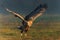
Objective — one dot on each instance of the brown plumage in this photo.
(29, 19)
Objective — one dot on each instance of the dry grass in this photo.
(37, 32)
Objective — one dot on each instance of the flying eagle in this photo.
(28, 20)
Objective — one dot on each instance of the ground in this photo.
(46, 28)
(38, 31)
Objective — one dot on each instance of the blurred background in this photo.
(46, 27)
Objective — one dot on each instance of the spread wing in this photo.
(36, 13)
(16, 14)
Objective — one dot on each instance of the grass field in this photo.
(43, 30)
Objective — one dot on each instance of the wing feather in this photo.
(36, 13)
(16, 14)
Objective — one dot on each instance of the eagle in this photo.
(28, 20)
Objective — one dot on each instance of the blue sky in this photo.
(26, 6)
